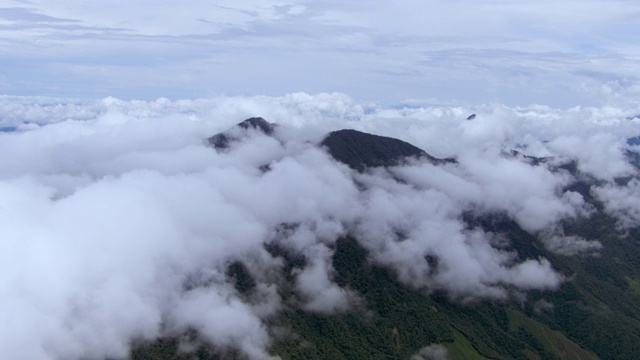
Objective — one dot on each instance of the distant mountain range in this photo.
(594, 314)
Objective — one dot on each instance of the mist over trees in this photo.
(416, 233)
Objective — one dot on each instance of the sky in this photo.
(118, 223)
(559, 53)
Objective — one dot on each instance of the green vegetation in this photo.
(598, 308)
(167, 349)
(546, 341)
(634, 285)
(595, 314)
(461, 348)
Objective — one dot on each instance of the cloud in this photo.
(570, 245)
(432, 352)
(561, 53)
(314, 284)
(119, 224)
(605, 160)
(228, 323)
(621, 202)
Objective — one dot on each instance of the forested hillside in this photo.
(593, 312)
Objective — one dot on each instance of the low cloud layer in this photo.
(119, 223)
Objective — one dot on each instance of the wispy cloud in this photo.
(119, 223)
(551, 52)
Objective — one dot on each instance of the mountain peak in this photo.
(361, 150)
(223, 139)
(258, 123)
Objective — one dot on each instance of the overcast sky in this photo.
(118, 223)
(561, 53)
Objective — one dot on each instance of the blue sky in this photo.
(561, 53)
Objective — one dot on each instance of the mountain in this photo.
(361, 151)
(593, 314)
(633, 157)
(633, 140)
(223, 140)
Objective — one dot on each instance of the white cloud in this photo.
(621, 202)
(316, 287)
(110, 208)
(432, 352)
(570, 245)
(604, 159)
(509, 51)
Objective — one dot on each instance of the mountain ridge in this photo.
(592, 314)
(360, 150)
(223, 140)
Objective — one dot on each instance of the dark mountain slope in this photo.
(361, 150)
(633, 157)
(394, 322)
(594, 314)
(224, 139)
(633, 141)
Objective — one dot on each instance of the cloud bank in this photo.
(563, 53)
(119, 224)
